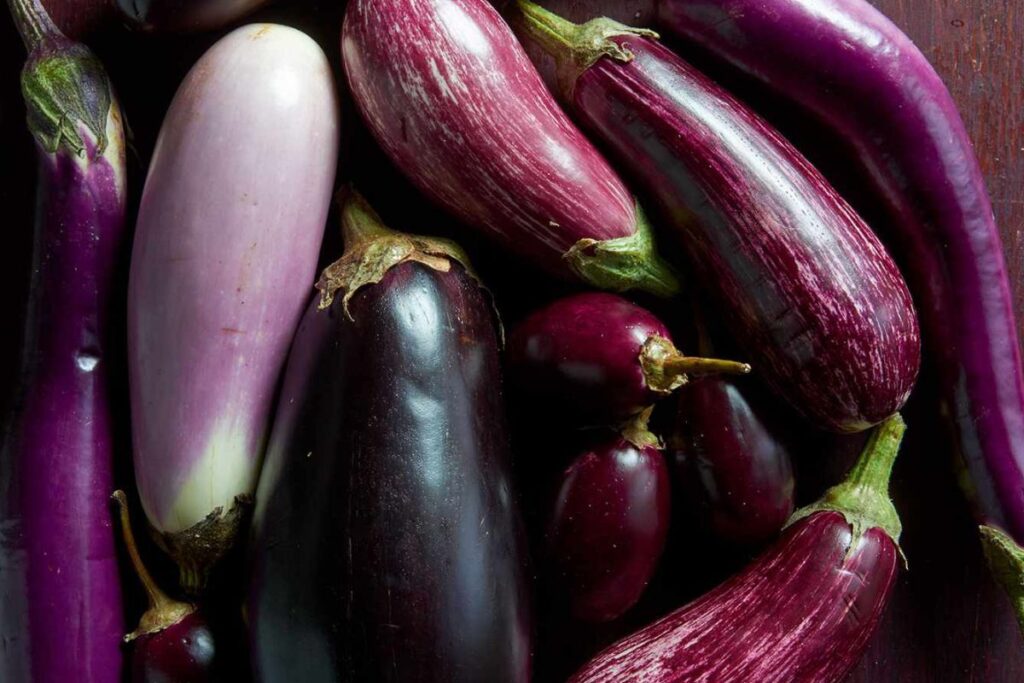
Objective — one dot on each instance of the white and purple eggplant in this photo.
(225, 254)
(60, 594)
(452, 98)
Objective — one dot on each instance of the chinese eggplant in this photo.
(807, 289)
(601, 358)
(801, 613)
(449, 94)
(60, 594)
(226, 249)
(386, 539)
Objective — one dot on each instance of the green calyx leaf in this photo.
(1006, 560)
(65, 87)
(624, 263)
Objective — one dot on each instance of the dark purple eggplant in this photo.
(387, 543)
(855, 71)
(609, 522)
(184, 15)
(735, 473)
(600, 358)
(803, 612)
(60, 593)
(807, 289)
(173, 642)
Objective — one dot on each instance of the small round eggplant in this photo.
(609, 522)
(600, 357)
(184, 15)
(736, 475)
(174, 642)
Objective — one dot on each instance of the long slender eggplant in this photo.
(735, 473)
(60, 595)
(801, 613)
(609, 522)
(227, 242)
(598, 357)
(386, 539)
(185, 15)
(451, 97)
(808, 290)
(173, 641)
(855, 71)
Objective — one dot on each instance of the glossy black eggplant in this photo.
(387, 543)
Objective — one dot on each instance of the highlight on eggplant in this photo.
(450, 96)
(60, 595)
(807, 290)
(600, 358)
(225, 253)
(802, 612)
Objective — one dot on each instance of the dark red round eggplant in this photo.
(609, 522)
(387, 544)
(600, 358)
(61, 614)
(735, 473)
(854, 70)
(808, 290)
(803, 612)
(173, 642)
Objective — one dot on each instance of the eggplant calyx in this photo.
(624, 263)
(163, 611)
(1006, 560)
(636, 432)
(863, 497)
(666, 369)
(574, 47)
(372, 249)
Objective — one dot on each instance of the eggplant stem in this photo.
(636, 431)
(360, 223)
(1006, 560)
(665, 368)
(157, 598)
(33, 22)
(699, 367)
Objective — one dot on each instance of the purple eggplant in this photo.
(801, 613)
(855, 71)
(806, 287)
(598, 357)
(225, 254)
(184, 15)
(609, 522)
(735, 473)
(60, 595)
(451, 97)
(173, 641)
(386, 539)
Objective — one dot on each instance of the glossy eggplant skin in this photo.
(386, 543)
(736, 474)
(608, 526)
(184, 15)
(182, 653)
(580, 354)
(854, 70)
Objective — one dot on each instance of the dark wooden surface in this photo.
(947, 622)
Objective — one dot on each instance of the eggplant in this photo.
(386, 540)
(735, 472)
(226, 248)
(609, 521)
(453, 100)
(853, 70)
(598, 357)
(801, 613)
(807, 289)
(173, 641)
(184, 15)
(60, 594)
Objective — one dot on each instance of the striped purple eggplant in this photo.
(60, 595)
(854, 70)
(184, 15)
(225, 253)
(801, 613)
(809, 292)
(599, 358)
(452, 98)
(386, 541)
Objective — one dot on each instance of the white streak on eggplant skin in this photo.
(455, 102)
(226, 248)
